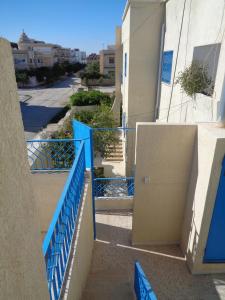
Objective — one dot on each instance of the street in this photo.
(40, 105)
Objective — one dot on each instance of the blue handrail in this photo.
(114, 178)
(54, 140)
(57, 243)
(142, 287)
(114, 187)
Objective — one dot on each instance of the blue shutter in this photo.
(167, 66)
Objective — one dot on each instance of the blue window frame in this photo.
(167, 63)
(125, 65)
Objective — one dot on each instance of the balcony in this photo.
(94, 245)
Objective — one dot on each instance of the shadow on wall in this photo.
(221, 104)
(112, 269)
(189, 227)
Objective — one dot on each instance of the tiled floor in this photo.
(111, 275)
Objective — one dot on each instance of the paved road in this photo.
(40, 105)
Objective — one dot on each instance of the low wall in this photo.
(107, 203)
(47, 189)
(98, 82)
(163, 163)
(84, 108)
(82, 250)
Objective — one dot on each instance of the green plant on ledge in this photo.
(86, 98)
(194, 79)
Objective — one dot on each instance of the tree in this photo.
(93, 67)
(22, 77)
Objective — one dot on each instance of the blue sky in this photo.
(84, 24)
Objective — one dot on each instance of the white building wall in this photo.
(203, 24)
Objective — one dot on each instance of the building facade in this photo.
(32, 53)
(78, 56)
(93, 57)
(192, 39)
(156, 49)
(107, 61)
(142, 21)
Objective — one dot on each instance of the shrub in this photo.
(194, 79)
(89, 98)
(104, 141)
(103, 117)
(22, 77)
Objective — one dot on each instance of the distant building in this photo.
(107, 61)
(93, 57)
(77, 56)
(31, 53)
(21, 59)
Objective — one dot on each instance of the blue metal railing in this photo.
(142, 287)
(53, 154)
(57, 243)
(114, 187)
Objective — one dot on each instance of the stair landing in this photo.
(111, 274)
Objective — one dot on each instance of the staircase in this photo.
(117, 153)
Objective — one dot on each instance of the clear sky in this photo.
(84, 24)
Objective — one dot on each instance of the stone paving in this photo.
(111, 275)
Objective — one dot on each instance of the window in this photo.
(111, 60)
(125, 65)
(167, 66)
(31, 60)
(208, 56)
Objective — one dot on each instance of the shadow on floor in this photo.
(36, 117)
(111, 275)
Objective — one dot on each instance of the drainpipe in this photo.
(162, 40)
(158, 96)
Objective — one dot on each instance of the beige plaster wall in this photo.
(141, 31)
(47, 189)
(205, 175)
(22, 271)
(163, 162)
(82, 250)
(118, 74)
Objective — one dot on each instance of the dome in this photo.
(24, 38)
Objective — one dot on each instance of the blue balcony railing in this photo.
(57, 243)
(114, 187)
(142, 287)
(55, 154)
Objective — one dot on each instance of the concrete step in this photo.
(115, 156)
(115, 147)
(114, 159)
(116, 150)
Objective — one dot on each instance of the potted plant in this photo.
(194, 79)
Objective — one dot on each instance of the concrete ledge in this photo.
(82, 247)
(113, 203)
